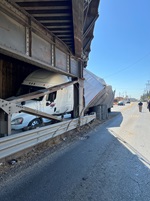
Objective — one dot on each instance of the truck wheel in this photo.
(34, 123)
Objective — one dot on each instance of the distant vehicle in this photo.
(128, 101)
(121, 103)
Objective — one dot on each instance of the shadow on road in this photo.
(96, 167)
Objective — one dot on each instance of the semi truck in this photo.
(56, 103)
(61, 101)
(97, 92)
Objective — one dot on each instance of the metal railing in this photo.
(18, 142)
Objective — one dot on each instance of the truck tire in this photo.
(34, 123)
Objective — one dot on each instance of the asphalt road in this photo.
(111, 163)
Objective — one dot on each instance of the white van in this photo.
(55, 103)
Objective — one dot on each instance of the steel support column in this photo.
(81, 97)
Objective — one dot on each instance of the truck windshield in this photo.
(25, 89)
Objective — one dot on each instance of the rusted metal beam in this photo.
(90, 26)
(11, 108)
(39, 113)
(77, 13)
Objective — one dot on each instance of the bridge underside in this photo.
(49, 34)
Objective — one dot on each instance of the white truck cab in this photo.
(56, 103)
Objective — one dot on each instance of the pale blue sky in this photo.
(120, 50)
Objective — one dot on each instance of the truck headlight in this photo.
(17, 121)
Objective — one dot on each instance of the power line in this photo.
(128, 66)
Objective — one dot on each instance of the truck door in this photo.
(50, 103)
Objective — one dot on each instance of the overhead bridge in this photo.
(50, 34)
(55, 35)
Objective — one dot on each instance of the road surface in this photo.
(110, 163)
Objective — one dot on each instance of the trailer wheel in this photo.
(34, 123)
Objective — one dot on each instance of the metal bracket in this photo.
(9, 107)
